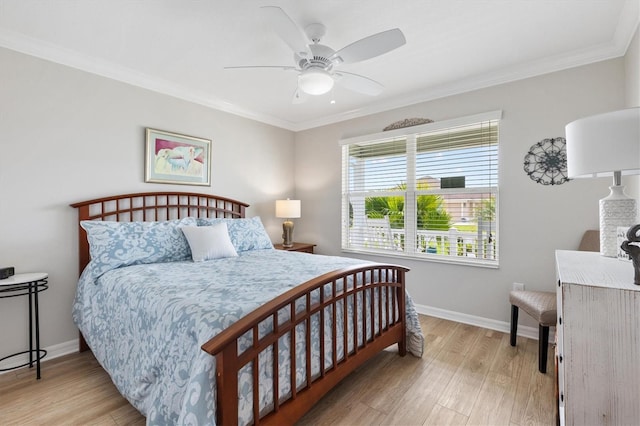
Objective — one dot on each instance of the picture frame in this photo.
(621, 236)
(176, 158)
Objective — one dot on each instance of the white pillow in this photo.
(209, 242)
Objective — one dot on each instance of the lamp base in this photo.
(287, 234)
(617, 209)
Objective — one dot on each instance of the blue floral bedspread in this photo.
(146, 323)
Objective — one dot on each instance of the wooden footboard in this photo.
(372, 300)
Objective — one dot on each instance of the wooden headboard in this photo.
(152, 206)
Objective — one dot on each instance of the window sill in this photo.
(451, 260)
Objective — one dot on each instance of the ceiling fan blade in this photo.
(370, 47)
(280, 67)
(358, 83)
(287, 30)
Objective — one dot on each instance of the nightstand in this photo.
(301, 247)
(22, 285)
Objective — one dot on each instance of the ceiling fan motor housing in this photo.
(320, 59)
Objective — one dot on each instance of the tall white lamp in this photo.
(287, 209)
(607, 145)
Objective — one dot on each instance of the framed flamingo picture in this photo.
(175, 158)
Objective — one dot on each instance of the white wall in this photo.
(632, 99)
(534, 219)
(632, 71)
(67, 136)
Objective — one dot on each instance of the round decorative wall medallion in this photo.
(546, 162)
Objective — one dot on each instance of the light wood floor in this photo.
(467, 376)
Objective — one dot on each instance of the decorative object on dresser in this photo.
(598, 340)
(607, 145)
(546, 162)
(300, 247)
(287, 210)
(621, 236)
(175, 158)
(631, 246)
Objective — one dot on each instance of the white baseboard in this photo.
(61, 349)
(491, 324)
(53, 351)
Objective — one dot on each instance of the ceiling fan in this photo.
(318, 65)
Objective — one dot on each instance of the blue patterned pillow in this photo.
(116, 244)
(246, 234)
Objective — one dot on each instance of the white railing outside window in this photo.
(454, 243)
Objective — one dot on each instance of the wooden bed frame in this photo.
(368, 281)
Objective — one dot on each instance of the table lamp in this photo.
(287, 209)
(607, 145)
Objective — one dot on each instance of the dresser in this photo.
(598, 340)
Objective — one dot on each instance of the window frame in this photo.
(410, 214)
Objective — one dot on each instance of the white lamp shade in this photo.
(288, 209)
(602, 144)
(315, 81)
(607, 145)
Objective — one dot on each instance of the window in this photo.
(427, 191)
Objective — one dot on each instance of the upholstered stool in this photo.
(541, 305)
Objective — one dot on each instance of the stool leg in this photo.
(543, 341)
(514, 324)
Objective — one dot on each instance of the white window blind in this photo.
(428, 191)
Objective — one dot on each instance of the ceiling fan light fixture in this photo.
(315, 81)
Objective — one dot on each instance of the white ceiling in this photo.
(180, 47)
